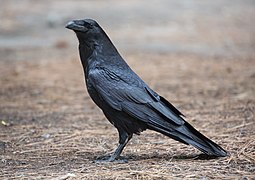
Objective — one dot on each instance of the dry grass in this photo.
(51, 129)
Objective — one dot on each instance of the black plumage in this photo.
(126, 101)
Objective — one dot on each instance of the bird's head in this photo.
(91, 36)
(87, 30)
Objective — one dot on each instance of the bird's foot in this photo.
(109, 158)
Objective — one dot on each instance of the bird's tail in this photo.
(189, 135)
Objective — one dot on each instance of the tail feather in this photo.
(189, 135)
(208, 146)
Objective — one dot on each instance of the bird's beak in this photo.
(76, 25)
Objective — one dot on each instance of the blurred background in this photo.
(32, 29)
(198, 54)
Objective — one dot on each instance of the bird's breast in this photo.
(94, 94)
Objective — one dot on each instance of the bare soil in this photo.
(50, 128)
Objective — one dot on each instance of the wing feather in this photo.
(138, 101)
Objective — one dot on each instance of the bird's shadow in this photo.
(155, 157)
(169, 157)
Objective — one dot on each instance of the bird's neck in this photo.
(104, 46)
(95, 54)
(85, 52)
(91, 49)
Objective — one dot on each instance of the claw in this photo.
(108, 159)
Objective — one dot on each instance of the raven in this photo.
(126, 101)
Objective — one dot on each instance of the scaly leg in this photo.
(123, 140)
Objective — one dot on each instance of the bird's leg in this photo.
(123, 140)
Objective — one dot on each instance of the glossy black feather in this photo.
(127, 102)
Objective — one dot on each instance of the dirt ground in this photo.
(202, 61)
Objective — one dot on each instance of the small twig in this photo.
(239, 126)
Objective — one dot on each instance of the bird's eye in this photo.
(88, 25)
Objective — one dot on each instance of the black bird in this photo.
(126, 101)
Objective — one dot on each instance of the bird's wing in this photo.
(130, 94)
